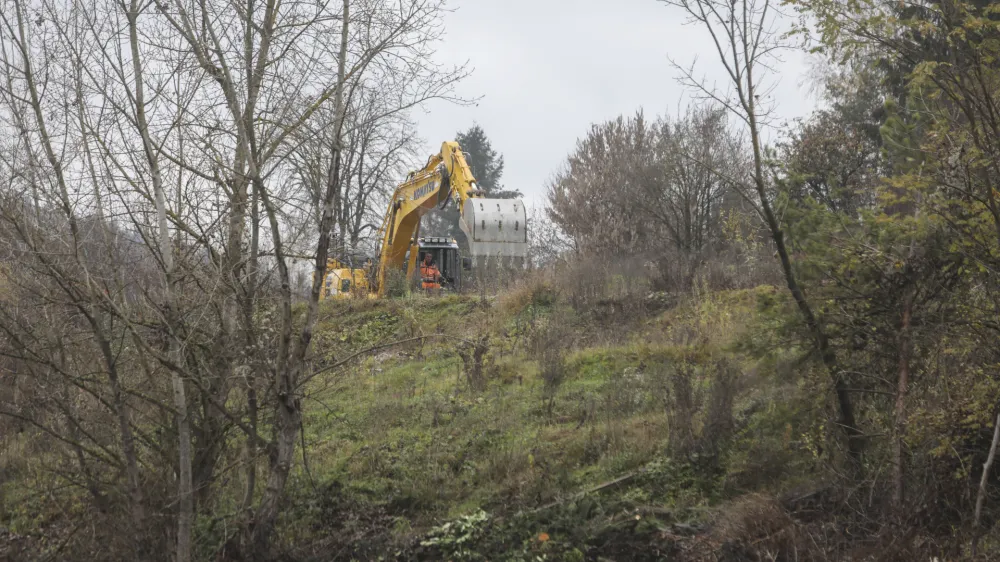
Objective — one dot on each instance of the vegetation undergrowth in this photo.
(588, 437)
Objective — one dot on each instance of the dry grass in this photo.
(757, 527)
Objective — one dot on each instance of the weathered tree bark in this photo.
(981, 495)
(902, 386)
(185, 510)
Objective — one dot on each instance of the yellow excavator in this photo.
(494, 228)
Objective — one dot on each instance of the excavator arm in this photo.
(494, 227)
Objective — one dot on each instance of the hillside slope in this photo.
(611, 429)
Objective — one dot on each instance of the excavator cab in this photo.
(444, 253)
(496, 230)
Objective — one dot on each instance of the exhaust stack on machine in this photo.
(495, 227)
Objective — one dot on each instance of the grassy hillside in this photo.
(612, 430)
(549, 423)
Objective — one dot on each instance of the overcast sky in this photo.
(547, 69)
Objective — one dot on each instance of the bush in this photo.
(476, 360)
(757, 528)
(455, 539)
(549, 342)
(396, 283)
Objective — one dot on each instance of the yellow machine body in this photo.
(494, 227)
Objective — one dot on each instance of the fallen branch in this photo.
(372, 349)
(597, 488)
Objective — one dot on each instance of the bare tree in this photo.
(548, 244)
(379, 143)
(651, 189)
(145, 198)
(746, 35)
(695, 155)
(597, 197)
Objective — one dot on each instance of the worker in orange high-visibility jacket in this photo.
(429, 273)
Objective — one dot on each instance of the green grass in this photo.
(401, 433)
(397, 443)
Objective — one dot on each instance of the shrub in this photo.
(757, 528)
(476, 359)
(455, 539)
(396, 283)
(549, 342)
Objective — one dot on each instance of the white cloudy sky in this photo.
(547, 69)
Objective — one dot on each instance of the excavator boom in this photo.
(495, 228)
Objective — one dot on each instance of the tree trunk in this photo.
(185, 511)
(291, 362)
(185, 488)
(124, 426)
(981, 495)
(847, 420)
(902, 385)
(251, 448)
